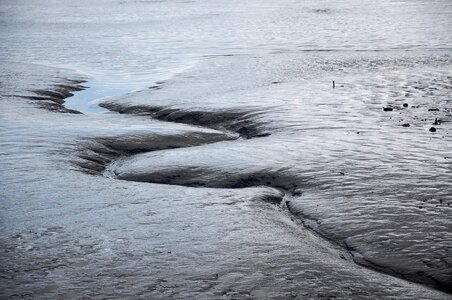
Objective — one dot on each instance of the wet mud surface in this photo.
(64, 229)
(238, 170)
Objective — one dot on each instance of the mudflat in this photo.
(232, 167)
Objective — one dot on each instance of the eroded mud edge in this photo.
(53, 99)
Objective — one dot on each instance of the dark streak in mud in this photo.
(235, 121)
(95, 156)
(53, 99)
(96, 153)
(422, 277)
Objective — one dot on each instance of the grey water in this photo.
(243, 90)
(84, 101)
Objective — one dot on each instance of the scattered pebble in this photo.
(433, 109)
(387, 108)
(432, 129)
(437, 122)
(405, 104)
(406, 125)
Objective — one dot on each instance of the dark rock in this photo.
(437, 122)
(432, 129)
(433, 109)
(406, 125)
(387, 108)
(405, 104)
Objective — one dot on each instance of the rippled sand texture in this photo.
(237, 171)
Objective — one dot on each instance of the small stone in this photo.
(433, 109)
(437, 122)
(387, 108)
(406, 125)
(432, 129)
(405, 104)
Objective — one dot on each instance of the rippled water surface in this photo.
(234, 168)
